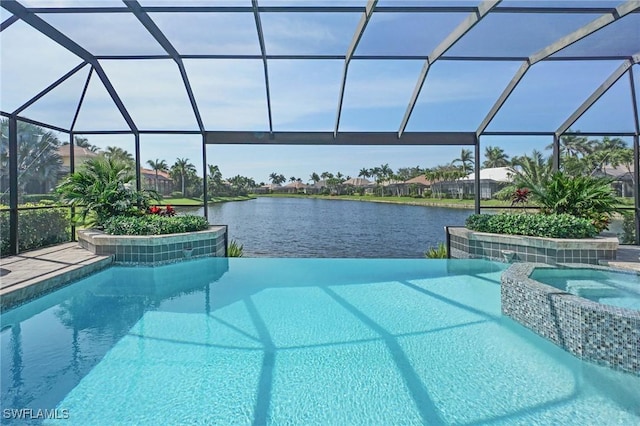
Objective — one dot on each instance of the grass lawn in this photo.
(198, 202)
(444, 202)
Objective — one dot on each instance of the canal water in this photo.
(305, 227)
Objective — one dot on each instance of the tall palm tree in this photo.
(158, 166)
(495, 157)
(118, 154)
(466, 159)
(314, 178)
(574, 146)
(183, 167)
(364, 173)
(276, 178)
(326, 175)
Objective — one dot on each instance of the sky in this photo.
(231, 94)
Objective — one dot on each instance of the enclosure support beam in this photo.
(364, 20)
(81, 100)
(45, 28)
(593, 98)
(556, 153)
(263, 51)
(636, 189)
(72, 169)
(138, 165)
(13, 185)
(588, 29)
(49, 88)
(205, 184)
(465, 26)
(476, 175)
(343, 138)
(153, 29)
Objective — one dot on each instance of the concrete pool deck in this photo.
(28, 274)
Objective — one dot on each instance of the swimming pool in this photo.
(607, 287)
(297, 341)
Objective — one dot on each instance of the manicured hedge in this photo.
(36, 228)
(536, 225)
(154, 224)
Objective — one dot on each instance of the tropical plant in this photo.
(586, 197)
(154, 224)
(120, 155)
(314, 178)
(466, 160)
(235, 249)
(495, 157)
(439, 252)
(276, 178)
(537, 225)
(81, 142)
(158, 166)
(520, 196)
(182, 169)
(39, 163)
(103, 188)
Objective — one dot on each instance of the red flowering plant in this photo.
(520, 196)
(167, 211)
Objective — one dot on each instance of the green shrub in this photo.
(628, 235)
(439, 252)
(176, 194)
(581, 196)
(104, 188)
(35, 198)
(154, 224)
(36, 228)
(536, 225)
(235, 249)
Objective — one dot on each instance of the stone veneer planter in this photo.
(156, 249)
(603, 334)
(466, 244)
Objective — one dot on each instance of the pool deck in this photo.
(29, 274)
(26, 275)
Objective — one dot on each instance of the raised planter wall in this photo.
(603, 334)
(156, 249)
(467, 244)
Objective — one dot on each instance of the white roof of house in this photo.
(357, 182)
(498, 174)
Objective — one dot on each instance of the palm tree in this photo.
(292, 179)
(83, 143)
(314, 178)
(276, 178)
(103, 186)
(574, 146)
(38, 159)
(466, 159)
(118, 154)
(364, 173)
(495, 157)
(158, 166)
(183, 167)
(326, 175)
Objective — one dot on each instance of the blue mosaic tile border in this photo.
(155, 249)
(466, 244)
(603, 334)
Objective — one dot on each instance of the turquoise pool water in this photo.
(606, 287)
(297, 341)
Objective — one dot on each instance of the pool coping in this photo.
(603, 334)
(45, 270)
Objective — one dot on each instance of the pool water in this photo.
(297, 341)
(606, 287)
